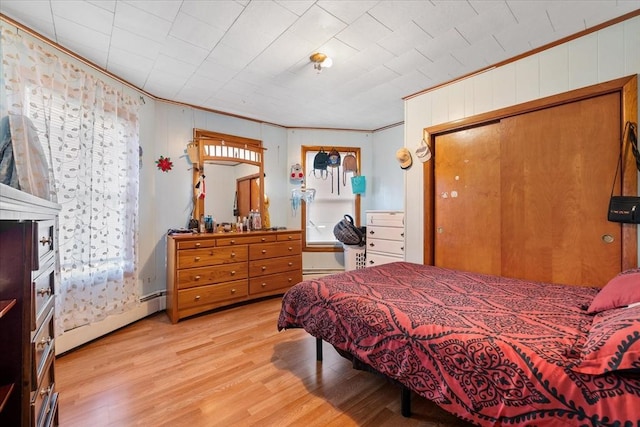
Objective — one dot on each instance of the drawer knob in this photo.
(233, 242)
(290, 248)
(371, 262)
(45, 391)
(263, 239)
(290, 237)
(264, 267)
(197, 258)
(402, 234)
(45, 241)
(402, 248)
(264, 285)
(197, 245)
(290, 279)
(196, 278)
(264, 251)
(372, 244)
(233, 291)
(372, 232)
(44, 291)
(197, 298)
(233, 254)
(233, 272)
(44, 342)
(290, 264)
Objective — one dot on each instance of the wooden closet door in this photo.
(467, 200)
(557, 168)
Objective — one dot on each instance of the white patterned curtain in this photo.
(89, 131)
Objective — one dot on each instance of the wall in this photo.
(595, 58)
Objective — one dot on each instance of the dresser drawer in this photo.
(208, 294)
(274, 282)
(211, 256)
(43, 290)
(42, 348)
(45, 238)
(244, 239)
(273, 250)
(374, 259)
(289, 236)
(388, 233)
(196, 244)
(385, 219)
(274, 265)
(44, 398)
(392, 247)
(191, 277)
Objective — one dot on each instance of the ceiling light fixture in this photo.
(320, 61)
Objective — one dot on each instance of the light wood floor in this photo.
(227, 368)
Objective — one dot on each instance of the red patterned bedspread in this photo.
(492, 350)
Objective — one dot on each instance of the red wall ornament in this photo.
(164, 164)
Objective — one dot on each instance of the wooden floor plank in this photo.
(227, 368)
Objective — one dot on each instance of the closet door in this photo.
(557, 170)
(467, 210)
(527, 197)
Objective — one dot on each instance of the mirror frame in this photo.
(220, 148)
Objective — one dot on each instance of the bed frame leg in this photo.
(405, 401)
(318, 349)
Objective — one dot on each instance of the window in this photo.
(333, 199)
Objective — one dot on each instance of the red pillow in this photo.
(622, 290)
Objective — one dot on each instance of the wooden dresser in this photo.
(207, 271)
(385, 237)
(27, 287)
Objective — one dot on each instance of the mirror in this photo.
(231, 170)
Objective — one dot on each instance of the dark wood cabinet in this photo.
(27, 289)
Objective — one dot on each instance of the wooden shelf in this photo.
(5, 392)
(5, 306)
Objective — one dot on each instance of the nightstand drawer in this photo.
(211, 256)
(208, 294)
(191, 277)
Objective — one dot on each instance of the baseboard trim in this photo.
(84, 334)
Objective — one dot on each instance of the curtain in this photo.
(88, 129)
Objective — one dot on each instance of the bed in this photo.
(491, 350)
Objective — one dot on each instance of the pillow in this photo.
(612, 343)
(622, 290)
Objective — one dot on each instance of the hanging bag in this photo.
(320, 163)
(334, 163)
(349, 164)
(358, 184)
(625, 209)
(347, 233)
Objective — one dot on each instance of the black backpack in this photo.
(320, 163)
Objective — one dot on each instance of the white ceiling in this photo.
(251, 57)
